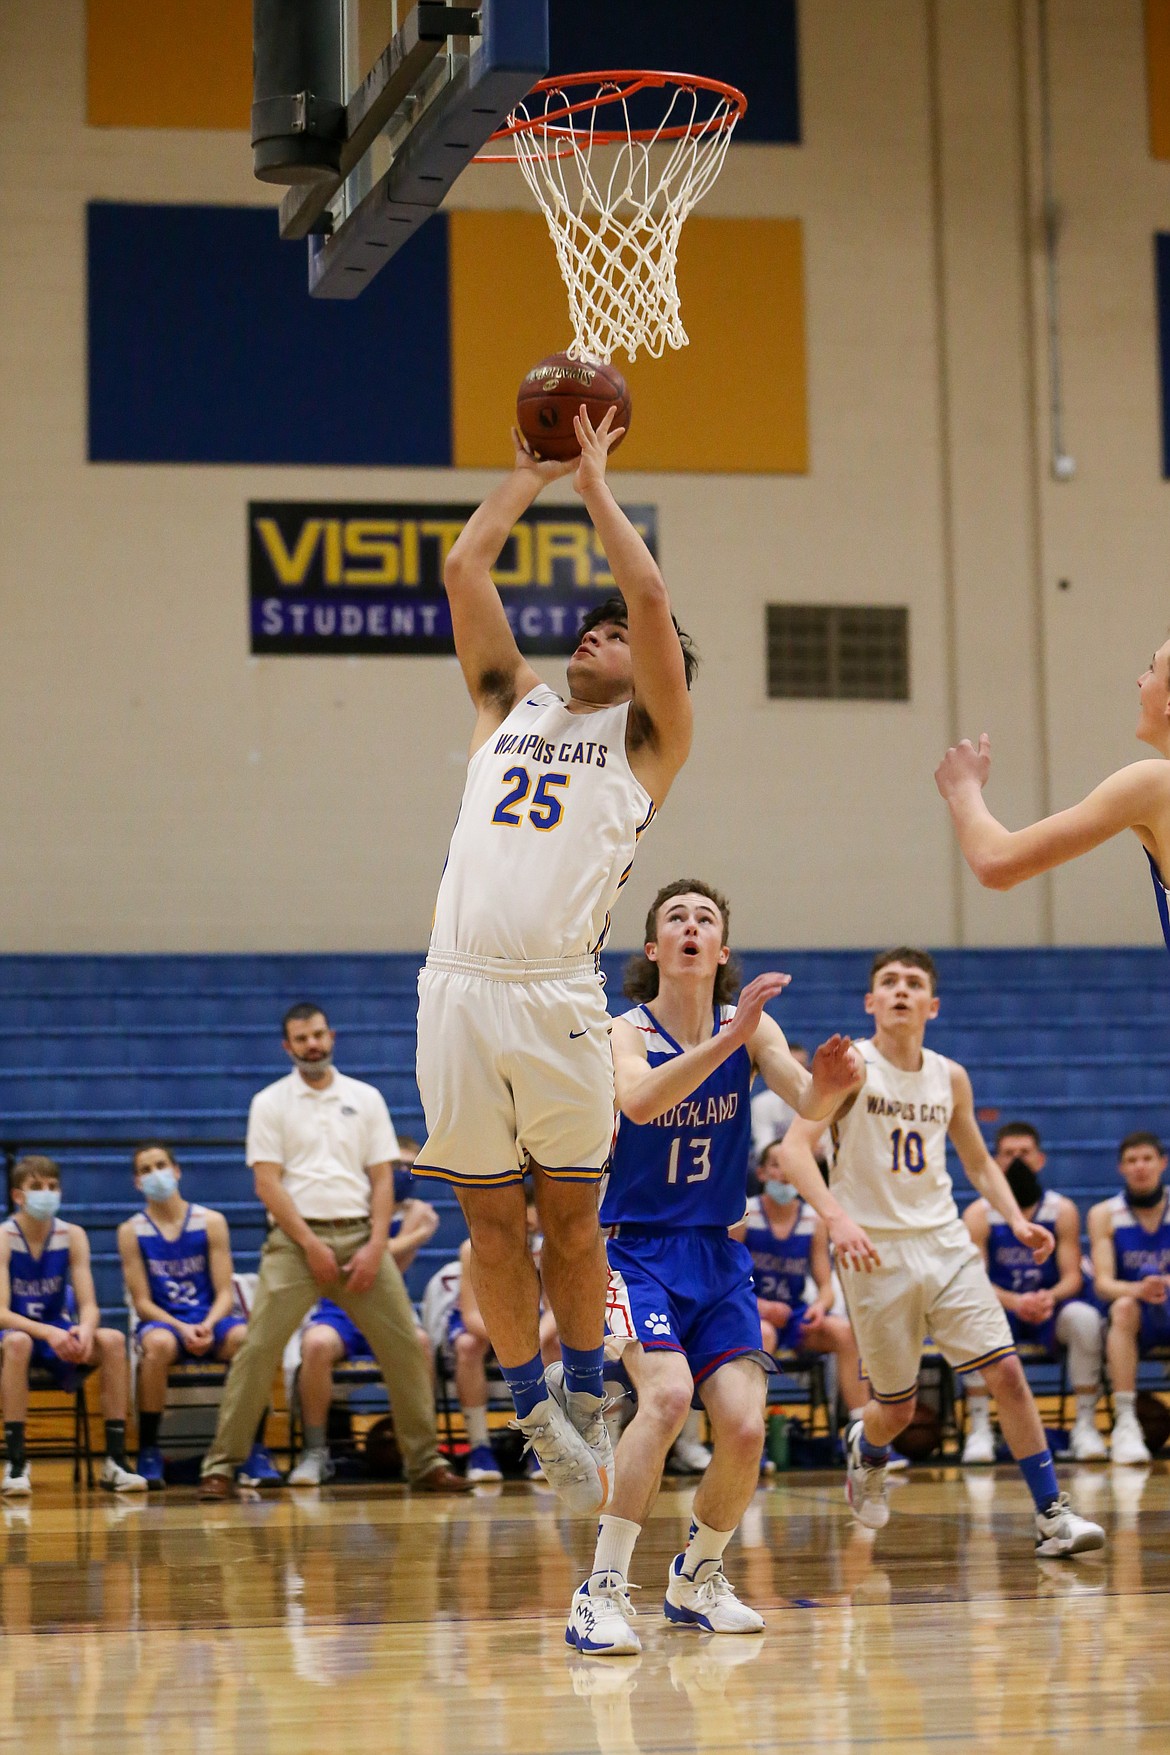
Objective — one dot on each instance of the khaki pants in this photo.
(285, 1294)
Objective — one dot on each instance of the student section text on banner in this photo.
(367, 577)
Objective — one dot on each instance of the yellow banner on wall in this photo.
(1158, 75)
(169, 63)
(734, 401)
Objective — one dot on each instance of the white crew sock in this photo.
(1087, 1405)
(475, 1419)
(615, 1545)
(1123, 1404)
(978, 1409)
(705, 1544)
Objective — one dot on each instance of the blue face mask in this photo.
(42, 1203)
(159, 1184)
(781, 1192)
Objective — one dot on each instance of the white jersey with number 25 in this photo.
(547, 830)
(890, 1148)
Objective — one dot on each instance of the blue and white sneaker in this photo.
(707, 1600)
(482, 1464)
(259, 1470)
(600, 1616)
(150, 1467)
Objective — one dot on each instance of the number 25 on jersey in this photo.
(544, 811)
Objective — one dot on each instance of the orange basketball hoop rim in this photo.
(616, 86)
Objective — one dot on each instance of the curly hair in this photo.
(640, 980)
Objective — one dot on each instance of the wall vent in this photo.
(838, 652)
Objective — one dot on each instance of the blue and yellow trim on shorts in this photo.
(507, 1178)
(991, 1358)
(901, 1395)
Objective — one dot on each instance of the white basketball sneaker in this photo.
(707, 1600)
(600, 1616)
(564, 1456)
(1085, 1442)
(1128, 1444)
(979, 1444)
(313, 1470)
(1060, 1532)
(586, 1413)
(18, 1485)
(865, 1484)
(116, 1479)
(689, 1455)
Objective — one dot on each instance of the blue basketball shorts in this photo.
(221, 1331)
(688, 1292)
(1036, 1334)
(1155, 1327)
(65, 1374)
(352, 1339)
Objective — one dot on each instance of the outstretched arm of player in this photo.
(814, 1094)
(644, 1092)
(662, 703)
(984, 1173)
(1135, 797)
(799, 1166)
(495, 672)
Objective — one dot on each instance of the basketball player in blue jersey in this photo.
(681, 1302)
(890, 1174)
(514, 1062)
(1044, 1302)
(1130, 1238)
(49, 1317)
(1136, 797)
(177, 1265)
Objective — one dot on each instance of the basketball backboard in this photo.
(370, 152)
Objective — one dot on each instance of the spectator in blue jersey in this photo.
(49, 1318)
(789, 1246)
(332, 1338)
(1130, 1238)
(1044, 1302)
(177, 1265)
(680, 1303)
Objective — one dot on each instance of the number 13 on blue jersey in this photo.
(700, 1158)
(544, 812)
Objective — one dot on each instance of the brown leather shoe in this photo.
(440, 1479)
(217, 1488)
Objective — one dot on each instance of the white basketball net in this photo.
(616, 222)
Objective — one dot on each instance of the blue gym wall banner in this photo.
(367, 577)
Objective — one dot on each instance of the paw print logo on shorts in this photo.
(657, 1323)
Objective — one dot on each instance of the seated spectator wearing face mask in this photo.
(177, 1265)
(49, 1318)
(1044, 1304)
(789, 1246)
(1130, 1237)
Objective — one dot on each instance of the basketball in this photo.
(554, 390)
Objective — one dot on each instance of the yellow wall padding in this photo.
(169, 63)
(1158, 75)
(734, 401)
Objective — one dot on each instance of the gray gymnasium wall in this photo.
(161, 790)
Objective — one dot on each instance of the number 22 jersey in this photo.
(688, 1167)
(547, 831)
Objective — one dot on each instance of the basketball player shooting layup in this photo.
(890, 1175)
(514, 1060)
(1136, 797)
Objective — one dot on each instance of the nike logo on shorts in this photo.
(573, 1034)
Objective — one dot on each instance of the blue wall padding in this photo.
(204, 346)
(752, 44)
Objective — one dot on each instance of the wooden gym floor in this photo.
(359, 1620)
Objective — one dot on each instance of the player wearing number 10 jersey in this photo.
(514, 1062)
(682, 1305)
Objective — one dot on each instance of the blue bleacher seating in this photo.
(122, 1048)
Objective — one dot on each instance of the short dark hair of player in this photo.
(614, 610)
(640, 980)
(770, 1147)
(299, 1013)
(33, 1169)
(1133, 1140)
(151, 1146)
(907, 954)
(1015, 1130)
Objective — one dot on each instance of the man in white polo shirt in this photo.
(322, 1149)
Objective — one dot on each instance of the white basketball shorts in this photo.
(514, 1063)
(930, 1283)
